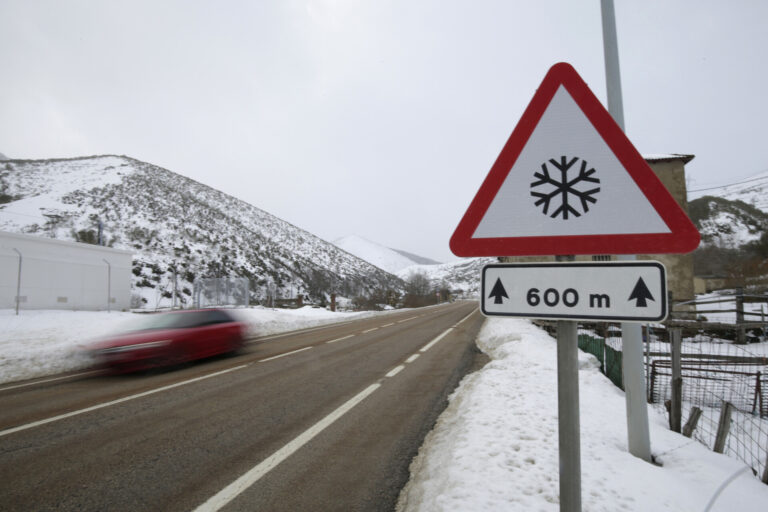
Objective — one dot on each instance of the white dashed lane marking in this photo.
(286, 354)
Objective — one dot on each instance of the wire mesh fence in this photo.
(221, 291)
(714, 372)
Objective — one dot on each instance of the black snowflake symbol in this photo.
(565, 188)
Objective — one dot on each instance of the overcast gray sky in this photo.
(377, 118)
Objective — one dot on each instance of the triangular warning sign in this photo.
(568, 181)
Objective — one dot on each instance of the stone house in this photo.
(671, 171)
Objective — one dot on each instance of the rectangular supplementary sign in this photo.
(629, 291)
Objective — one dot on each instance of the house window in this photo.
(602, 257)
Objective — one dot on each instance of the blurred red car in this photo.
(168, 339)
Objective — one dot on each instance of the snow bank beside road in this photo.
(496, 445)
(39, 343)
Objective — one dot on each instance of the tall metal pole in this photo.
(18, 283)
(632, 337)
(109, 284)
(569, 433)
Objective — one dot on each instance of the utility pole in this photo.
(18, 283)
(109, 284)
(631, 333)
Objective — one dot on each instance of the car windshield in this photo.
(168, 321)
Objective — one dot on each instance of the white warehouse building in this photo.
(53, 274)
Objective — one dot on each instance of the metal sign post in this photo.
(566, 291)
(569, 433)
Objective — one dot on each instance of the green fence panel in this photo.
(613, 366)
(594, 346)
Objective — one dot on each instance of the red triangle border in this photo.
(684, 237)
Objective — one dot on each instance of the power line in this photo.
(730, 184)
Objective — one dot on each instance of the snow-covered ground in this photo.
(495, 446)
(727, 308)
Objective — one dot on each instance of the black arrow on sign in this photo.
(498, 292)
(641, 294)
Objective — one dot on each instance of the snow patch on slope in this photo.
(461, 275)
(375, 254)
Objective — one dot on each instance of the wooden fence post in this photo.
(723, 426)
(741, 336)
(765, 471)
(693, 420)
(676, 411)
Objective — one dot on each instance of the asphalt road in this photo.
(321, 419)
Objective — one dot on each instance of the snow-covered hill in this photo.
(728, 223)
(752, 190)
(732, 215)
(376, 254)
(172, 221)
(461, 275)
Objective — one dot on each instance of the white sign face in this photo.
(628, 291)
(568, 181)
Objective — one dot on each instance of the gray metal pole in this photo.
(632, 337)
(18, 283)
(109, 285)
(568, 416)
(612, 72)
(676, 410)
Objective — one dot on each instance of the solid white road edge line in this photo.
(441, 336)
(394, 371)
(283, 355)
(460, 321)
(339, 339)
(114, 402)
(237, 487)
(74, 375)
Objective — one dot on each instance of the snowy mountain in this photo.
(732, 215)
(727, 223)
(420, 260)
(170, 221)
(385, 258)
(753, 191)
(461, 275)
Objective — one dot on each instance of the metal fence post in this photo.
(109, 284)
(676, 411)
